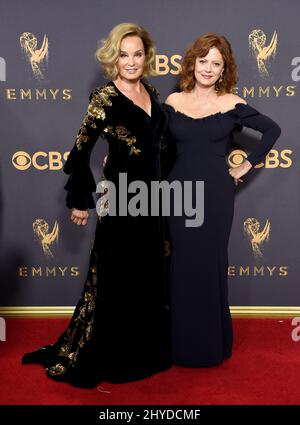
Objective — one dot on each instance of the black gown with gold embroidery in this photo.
(120, 329)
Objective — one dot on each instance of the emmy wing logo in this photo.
(46, 238)
(36, 57)
(257, 44)
(256, 237)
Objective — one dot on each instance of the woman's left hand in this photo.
(240, 171)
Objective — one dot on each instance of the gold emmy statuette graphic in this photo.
(35, 56)
(251, 228)
(41, 231)
(257, 43)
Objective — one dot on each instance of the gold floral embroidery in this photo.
(82, 325)
(100, 98)
(67, 346)
(73, 356)
(123, 134)
(152, 88)
(57, 369)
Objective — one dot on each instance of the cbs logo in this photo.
(164, 65)
(40, 160)
(274, 158)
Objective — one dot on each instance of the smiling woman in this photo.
(120, 329)
(131, 64)
(136, 58)
(202, 120)
(109, 53)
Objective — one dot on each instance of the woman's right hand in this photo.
(238, 172)
(79, 217)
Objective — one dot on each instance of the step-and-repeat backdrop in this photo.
(47, 70)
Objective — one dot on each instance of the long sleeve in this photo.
(81, 183)
(250, 117)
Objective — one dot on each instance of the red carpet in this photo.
(264, 369)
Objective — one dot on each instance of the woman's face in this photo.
(132, 57)
(209, 68)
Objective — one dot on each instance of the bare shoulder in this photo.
(229, 100)
(237, 99)
(173, 99)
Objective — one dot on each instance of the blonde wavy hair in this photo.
(108, 53)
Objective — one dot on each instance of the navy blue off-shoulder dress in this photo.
(201, 321)
(119, 331)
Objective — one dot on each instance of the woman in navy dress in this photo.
(202, 119)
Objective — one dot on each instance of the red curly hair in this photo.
(200, 48)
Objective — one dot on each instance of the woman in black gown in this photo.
(202, 119)
(119, 331)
